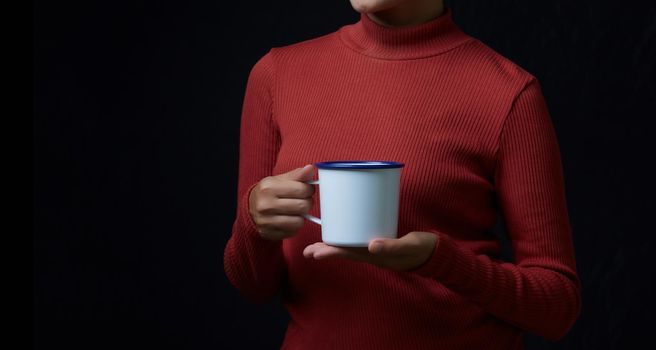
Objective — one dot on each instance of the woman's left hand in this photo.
(400, 254)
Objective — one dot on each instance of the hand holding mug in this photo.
(277, 203)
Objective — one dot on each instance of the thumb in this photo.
(407, 244)
(304, 173)
(388, 246)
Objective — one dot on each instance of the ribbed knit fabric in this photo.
(476, 138)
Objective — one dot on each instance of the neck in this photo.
(408, 13)
(430, 38)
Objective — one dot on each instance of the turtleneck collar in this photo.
(400, 43)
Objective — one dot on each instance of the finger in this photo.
(290, 206)
(294, 189)
(269, 206)
(321, 250)
(308, 252)
(304, 173)
(276, 235)
(391, 246)
(318, 250)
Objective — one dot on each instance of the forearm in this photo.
(540, 297)
(254, 265)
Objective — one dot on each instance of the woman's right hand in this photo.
(277, 203)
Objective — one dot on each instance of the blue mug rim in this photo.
(359, 164)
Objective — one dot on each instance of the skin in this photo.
(277, 203)
(399, 13)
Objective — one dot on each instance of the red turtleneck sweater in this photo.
(476, 138)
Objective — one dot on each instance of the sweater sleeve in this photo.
(540, 291)
(254, 265)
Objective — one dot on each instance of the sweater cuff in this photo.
(243, 211)
(448, 263)
(439, 260)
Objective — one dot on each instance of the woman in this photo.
(404, 83)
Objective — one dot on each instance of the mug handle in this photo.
(314, 219)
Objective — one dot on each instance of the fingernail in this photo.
(376, 247)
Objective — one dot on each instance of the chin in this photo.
(370, 6)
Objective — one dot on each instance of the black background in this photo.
(137, 107)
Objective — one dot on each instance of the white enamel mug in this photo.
(359, 201)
